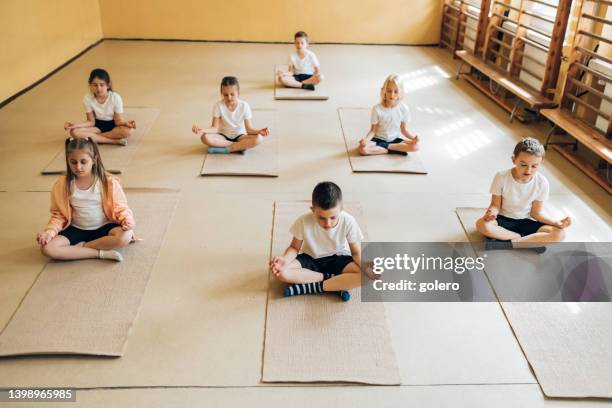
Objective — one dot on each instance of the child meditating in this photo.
(231, 130)
(515, 217)
(104, 111)
(90, 216)
(329, 240)
(388, 121)
(304, 68)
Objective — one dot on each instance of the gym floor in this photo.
(199, 335)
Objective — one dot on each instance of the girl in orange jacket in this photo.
(90, 217)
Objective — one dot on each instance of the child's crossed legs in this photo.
(113, 136)
(337, 272)
(241, 143)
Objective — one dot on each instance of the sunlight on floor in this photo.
(464, 145)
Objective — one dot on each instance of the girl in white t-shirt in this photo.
(388, 121)
(104, 111)
(90, 217)
(231, 130)
(304, 68)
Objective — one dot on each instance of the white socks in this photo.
(110, 254)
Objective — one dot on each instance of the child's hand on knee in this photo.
(43, 238)
(416, 139)
(263, 132)
(131, 124)
(489, 215)
(362, 142)
(68, 125)
(127, 224)
(196, 129)
(564, 223)
(277, 263)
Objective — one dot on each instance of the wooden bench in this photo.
(523, 93)
(585, 134)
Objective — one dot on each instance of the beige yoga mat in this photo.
(115, 158)
(355, 124)
(567, 344)
(282, 92)
(260, 161)
(319, 338)
(89, 306)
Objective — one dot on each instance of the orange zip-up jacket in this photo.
(114, 205)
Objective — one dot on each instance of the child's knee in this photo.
(481, 226)
(75, 132)
(362, 151)
(48, 251)
(125, 131)
(558, 234)
(123, 239)
(282, 277)
(258, 139)
(205, 139)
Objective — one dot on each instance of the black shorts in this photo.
(301, 77)
(385, 144)
(523, 226)
(333, 265)
(76, 235)
(234, 139)
(105, 125)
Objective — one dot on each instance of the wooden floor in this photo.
(202, 319)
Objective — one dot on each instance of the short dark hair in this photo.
(300, 34)
(230, 81)
(326, 195)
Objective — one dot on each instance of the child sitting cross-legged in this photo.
(515, 218)
(231, 130)
(388, 133)
(325, 253)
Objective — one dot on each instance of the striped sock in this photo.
(304, 289)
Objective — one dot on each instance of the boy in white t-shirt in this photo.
(515, 217)
(388, 133)
(330, 243)
(304, 68)
(231, 130)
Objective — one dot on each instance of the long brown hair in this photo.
(91, 148)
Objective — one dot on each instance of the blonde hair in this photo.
(90, 147)
(393, 78)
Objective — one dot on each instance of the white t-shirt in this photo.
(305, 65)
(87, 212)
(232, 123)
(389, 120)
(319, 242)
(104, 111)
(517, 198)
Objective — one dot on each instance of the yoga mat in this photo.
(260, 161)
(115, 157)
(89, 306)
(282, 92)
(566, 344)
(355, 124)
(319, 338)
